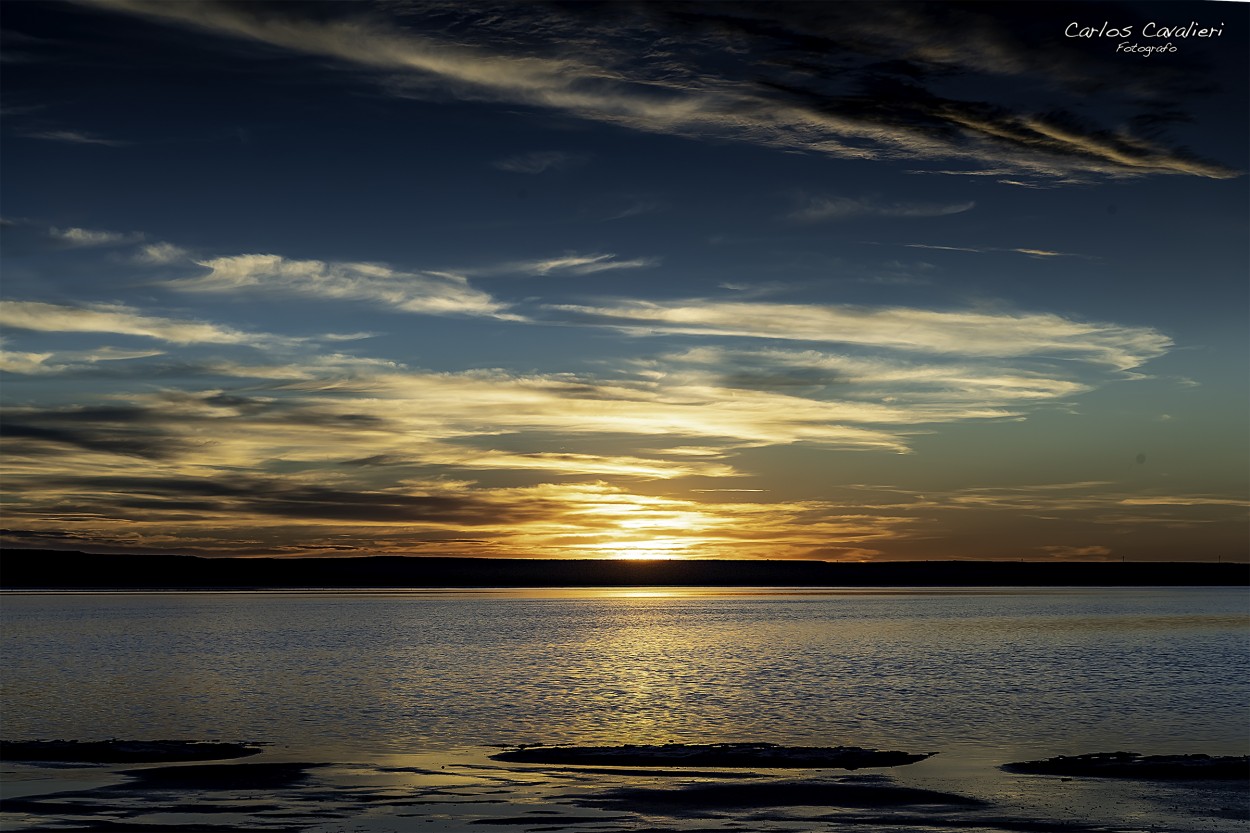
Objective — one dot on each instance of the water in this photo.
(982, 676)
(1052, 670)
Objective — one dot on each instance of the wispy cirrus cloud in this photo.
(1099, 497)
(541, 161)
(797, 78)
(579, 264)
(431, 293)
(120, 319)
(817, 209)
(1087, 552)
(73, 137)
(923, 389)
(1185, 500)
(160, 254)
(1031, 252)
(80, 237)
(46, 363)
(969, 333)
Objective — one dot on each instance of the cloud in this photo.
(346, 451)
(538, 162)
(1031, 252)
(430, 293)
(160, 254)
(78, 237)
(818, 209)
(37, 364)
(1185, 500)
(1091, 552)
(579, 264)
(943, 248)
(25, 363)
(115, 430)
(488, 403)
(122, 320)
(73, 137)
(793, 77)
(1042, 253)
(565, 463)
(635, 208)
(1088, 496)
(919, 391)
(705, 402)
(261, 513)
(240, 496)
(966, 333)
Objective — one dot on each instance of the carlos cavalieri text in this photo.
(1152, 30)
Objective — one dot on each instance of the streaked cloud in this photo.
(121, 320)
(1087, 497)
(540, 161)
(23, 363)
(1088, 552)
(1185, 500)
(819, 209)
(1031, 252)
(969, 333)
(73, 137)
(430, 293)
(579, 264)
(586, 520)
(635, 207)
(566, 463)
(943, 248)
(161, 254)
(921, 389)
(80, 237)
(805, 79)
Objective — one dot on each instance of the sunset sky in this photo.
(813, 280)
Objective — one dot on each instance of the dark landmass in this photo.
(122, 751)
(781, 794)
(41, 569)
(768, 755)
(1135, 765)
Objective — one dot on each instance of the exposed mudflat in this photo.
(461, 791)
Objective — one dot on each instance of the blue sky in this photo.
(842, 281)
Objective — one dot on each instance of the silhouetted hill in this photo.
(76, 570)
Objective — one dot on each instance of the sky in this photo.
(840, 281)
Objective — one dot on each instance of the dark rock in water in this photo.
(714, 754)
(123, 751)
(1135, 765)
(852, 793)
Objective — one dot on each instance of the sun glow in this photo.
(641, 554)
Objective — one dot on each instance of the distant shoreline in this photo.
(60, 570)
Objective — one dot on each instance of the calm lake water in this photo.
(981, 676)
(1056, 671)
